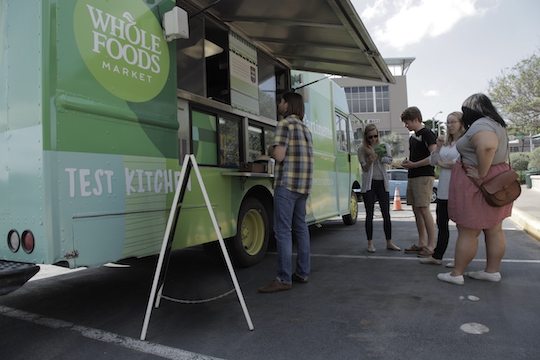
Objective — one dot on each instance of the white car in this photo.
(398, 178)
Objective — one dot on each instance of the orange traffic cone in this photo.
(397, 200)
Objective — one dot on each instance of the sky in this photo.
(459, 45)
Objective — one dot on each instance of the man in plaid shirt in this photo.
(293, 151)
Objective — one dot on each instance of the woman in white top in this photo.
(445, 156)
(373, 157)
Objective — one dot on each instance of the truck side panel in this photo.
(22, 181)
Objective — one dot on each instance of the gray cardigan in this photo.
(367, 170)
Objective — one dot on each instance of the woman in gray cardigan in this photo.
(373, 157)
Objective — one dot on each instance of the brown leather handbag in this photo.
(501, 189)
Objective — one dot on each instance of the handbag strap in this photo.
(508, 149)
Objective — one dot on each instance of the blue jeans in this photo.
(289, 218)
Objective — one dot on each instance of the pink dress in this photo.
(466, 204)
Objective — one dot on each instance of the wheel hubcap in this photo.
(252, 232)
(354, 206)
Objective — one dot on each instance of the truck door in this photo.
(343, 163)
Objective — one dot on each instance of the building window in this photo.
(382, 98)
(364, 99)
(229, 151)
(259, 139)
(204, 135)
(255, 142)
(341, 133)
(215, 139)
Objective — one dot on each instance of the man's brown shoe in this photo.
(274, 286)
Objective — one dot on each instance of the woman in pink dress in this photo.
(484, 150)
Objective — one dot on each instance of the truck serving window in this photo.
(215, 139)
(260, 137)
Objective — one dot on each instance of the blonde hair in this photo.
(453, 138)
(369, 128)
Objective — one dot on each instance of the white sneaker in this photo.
(450, 265)
(430, 260)
(371, 249)
(482, 275)
(456, 280)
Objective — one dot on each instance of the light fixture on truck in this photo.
(28, 241)
(13, 240)
(175, 24)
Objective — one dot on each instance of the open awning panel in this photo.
(325, 36)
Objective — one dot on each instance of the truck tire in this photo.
(350, 218)
(249, 245)
(433, 195)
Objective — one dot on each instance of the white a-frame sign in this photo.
(159, 276)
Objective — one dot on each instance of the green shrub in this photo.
(522, 174)
(534, 160)
(519, 161)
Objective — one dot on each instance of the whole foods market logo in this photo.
(123, 47)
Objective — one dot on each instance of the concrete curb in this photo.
(527, 222)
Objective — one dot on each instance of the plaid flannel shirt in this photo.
(296, 170)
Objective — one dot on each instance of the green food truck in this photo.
(100, 100)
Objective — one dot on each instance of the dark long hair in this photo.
(478, 106)
(295, 104)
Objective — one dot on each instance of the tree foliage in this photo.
(517, 93)
(534, 160)
(519, 161)
(394, 140)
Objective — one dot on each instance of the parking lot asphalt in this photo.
(356, 306)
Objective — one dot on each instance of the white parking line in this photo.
(146, 347)
(408, 258)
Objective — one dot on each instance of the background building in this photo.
(381, 104)
(524, 143)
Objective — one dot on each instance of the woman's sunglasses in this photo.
(373, 137)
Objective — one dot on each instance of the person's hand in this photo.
(440, 142)
(446, 164)
(371, 156)
(472, 172)
(407, 164)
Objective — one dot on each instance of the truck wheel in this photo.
(249, 245)
(350, 218)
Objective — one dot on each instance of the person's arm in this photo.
(281, 139)
(448, 164)
(416, 164)
(424, 162)
(279, 153)
(431, 143)
(435, 157)
(485, 143)
(365, 157)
